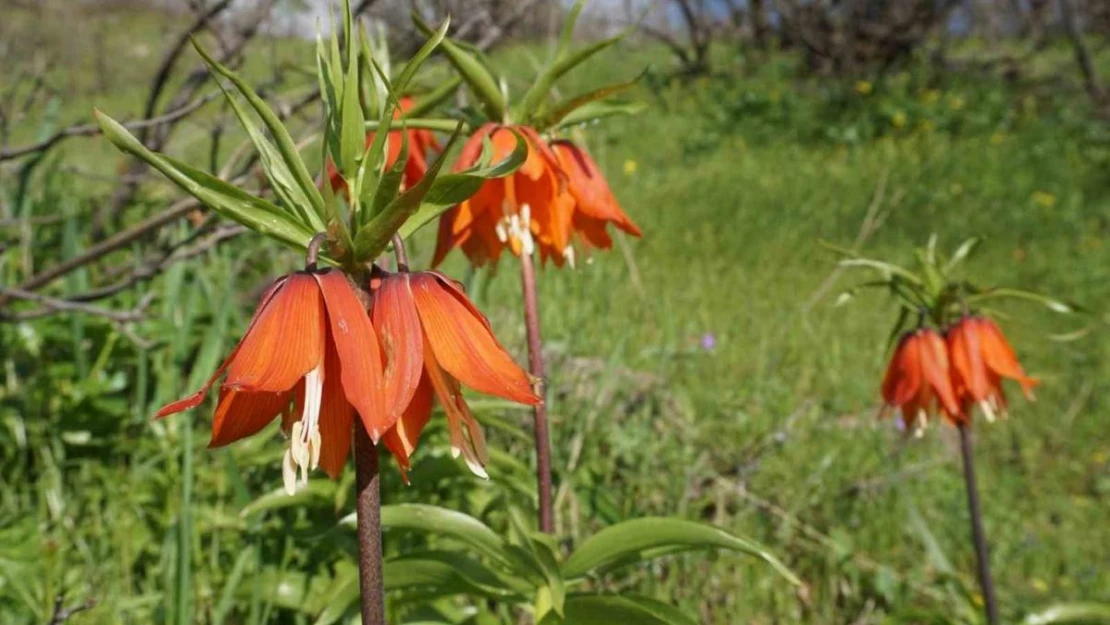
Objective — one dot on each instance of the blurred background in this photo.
(711, 370)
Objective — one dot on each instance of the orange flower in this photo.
(981, 357)
(420, 144)
(309, 354)
(594, 203)
(557, 193)
(434, 339)
(917, 380)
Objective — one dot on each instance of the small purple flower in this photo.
(708, 341)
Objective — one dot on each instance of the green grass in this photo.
(771, 433)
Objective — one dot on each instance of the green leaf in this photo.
(315, 493)
(642, 539)
(280, 177)
(225, 199)
(441, 573)
(562, 64)
(427, 102)
(962, 253)
(1052, 304)
(475, 74)
(418, 123)
(600, 110)
(285, 143)
(374, 237)
(446, 523)
(450, 189)
(1070, 613)
(401, 82)
(390, 181)
(887, 269)
(352, 127)
(597, 609)
(549, 118)
(341, 599)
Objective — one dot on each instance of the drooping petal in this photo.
(401, 439)
(969, 374)
(591, 191)
(286, 341)
(935, 372)
(463, 344)
(460, 423)
(1000, 357)
(336, 416)
(194, 400)
(903, 375)
(244, 413)
(357, 346)
(398, 326)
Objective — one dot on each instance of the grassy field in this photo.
(703, 371)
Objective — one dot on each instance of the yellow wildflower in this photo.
(630, 167)
(1043, 199)
(864, 87)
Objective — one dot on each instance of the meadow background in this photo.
(705, 371)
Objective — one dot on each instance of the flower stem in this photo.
(369, 509)
(977, 535)
(539, 412)
(312, 252)
(400, 254)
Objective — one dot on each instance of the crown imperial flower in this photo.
(310, 355)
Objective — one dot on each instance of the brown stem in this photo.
(539, 412)
(312, 253)
(400, 254)
(977, 534)
(369, 509)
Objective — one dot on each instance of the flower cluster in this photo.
(557, 197)
(952, 373)
(314, 355)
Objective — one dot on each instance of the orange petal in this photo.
(903, 375)
(398, 325)
(460, 423)
(193, 400)
(401, 439)
(472, 149)
(1000, 357)
(968, 371)
(935, 371)
(243, 413)
(461, 340)
(357, 346)
(591, 192)
(286, 342)
(336, 416)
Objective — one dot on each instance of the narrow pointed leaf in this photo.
(1070, 613)
(427, 102)
(1052, 304)
(442, 573)
(597, 609)
(285, 144)
(600, 110)
(535, 95)
(549, 118)
(224, 198)
(475, 74)
(374, 237)
(281, 178)
(640, 539)
(406, 75)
